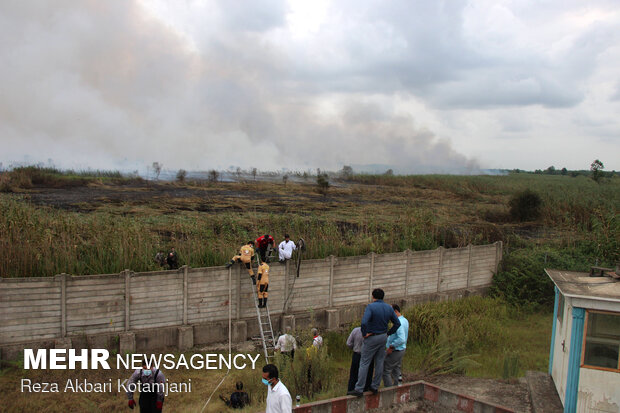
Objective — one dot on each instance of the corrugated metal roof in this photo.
(580, 284)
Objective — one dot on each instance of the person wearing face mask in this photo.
(152, 384)
(278, 398)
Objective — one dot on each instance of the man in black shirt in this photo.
(238, 399)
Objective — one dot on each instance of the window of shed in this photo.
(560, 309)
(602, 341)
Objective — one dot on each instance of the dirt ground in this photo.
(417, 406)
(216, 198)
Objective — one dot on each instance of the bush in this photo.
(322, 182)
(214, 175)
(522, 281)
(525, 206)
(311, 372)
(465, 320)
(181, 175)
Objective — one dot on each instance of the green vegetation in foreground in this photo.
(475, 336)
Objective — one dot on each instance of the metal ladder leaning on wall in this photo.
(266, 328)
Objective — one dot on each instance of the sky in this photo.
(420, 86)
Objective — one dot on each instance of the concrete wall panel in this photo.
(42, 308)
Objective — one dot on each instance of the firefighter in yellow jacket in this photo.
(246, 253)
(263, 284)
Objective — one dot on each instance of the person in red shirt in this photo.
(262, 243)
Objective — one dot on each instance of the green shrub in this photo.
(525, 206)
(511, 365)
(309, 374)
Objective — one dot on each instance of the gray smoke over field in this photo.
(101, 84)
(208, 84)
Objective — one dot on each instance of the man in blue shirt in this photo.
(375, 333)
(396, 345)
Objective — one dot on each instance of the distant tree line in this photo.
(595, 172)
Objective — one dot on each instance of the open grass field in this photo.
(77, 224)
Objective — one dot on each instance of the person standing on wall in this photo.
(355, 342)
(396, 345)
(285, 249)
(262, 243)
(262, 286)
(150, 379)
(246, 253)
(278, 398)
(375, 332)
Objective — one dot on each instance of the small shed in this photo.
(584, 357)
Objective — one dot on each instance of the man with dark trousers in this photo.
(262, 286)
(355, 342)
(172, 259)
(262, 243)
(375, 332)
(151, 383)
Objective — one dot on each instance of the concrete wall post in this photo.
(333, 319)
(185, 338)
(63, 304)
(286, 284)
(407, 259)
(126, 343)
(439, 280)
(239, 331)
(238, 309)
(331, 280)
(185, 288)
(469, 254)
(62, 343)
(128, 301)
(499, 246)
(372, 271)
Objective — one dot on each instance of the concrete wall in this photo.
(441, 399)
(39, 309)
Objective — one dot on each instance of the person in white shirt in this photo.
(278, 398)
(317, 340)
(285, 249)
(287, 344)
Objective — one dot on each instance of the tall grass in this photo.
(413, 212)
(477, 336)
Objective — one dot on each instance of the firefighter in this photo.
(262, 243)
(246, 253)
(263, 284)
